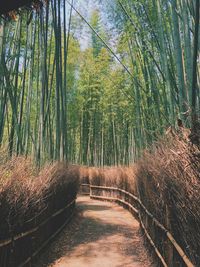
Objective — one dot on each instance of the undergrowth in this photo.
(28, 196)
(167, 180)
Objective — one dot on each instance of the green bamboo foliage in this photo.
(105, 103)
(31, 65)
(195, 85)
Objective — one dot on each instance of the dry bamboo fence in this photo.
(148, 222)
(21, 249)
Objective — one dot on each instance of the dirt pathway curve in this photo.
(101, 235)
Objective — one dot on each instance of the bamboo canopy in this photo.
(13, 5)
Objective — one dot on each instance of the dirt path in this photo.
(101, 235)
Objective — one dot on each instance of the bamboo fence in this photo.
(32, 241)
(138, 208)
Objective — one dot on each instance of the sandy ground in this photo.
(101, 234)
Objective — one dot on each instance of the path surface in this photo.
(101, 234)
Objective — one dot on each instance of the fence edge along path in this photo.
(11, 240)
(137, 212)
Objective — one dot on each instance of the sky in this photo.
(86, 7)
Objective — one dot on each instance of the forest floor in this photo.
(101, 234)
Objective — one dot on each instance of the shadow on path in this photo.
(101, 235)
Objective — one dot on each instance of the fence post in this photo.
(12, 260)
(90, 190)
(33, 236)
(169, 247)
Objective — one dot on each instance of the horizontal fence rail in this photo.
(11, 241)
(137, 211)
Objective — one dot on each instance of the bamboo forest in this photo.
(102, 98)
(102, 103)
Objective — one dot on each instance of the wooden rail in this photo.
(142, 207)
(12, 240)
